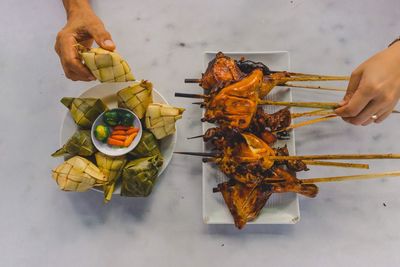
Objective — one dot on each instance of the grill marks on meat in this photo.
(236, 104)
(293, 165)
(221, 71)
(274, 122)
(244, 202)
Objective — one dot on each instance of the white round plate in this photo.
(115, 151)
(107, 92)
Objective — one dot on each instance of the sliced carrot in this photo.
(121, 127)
(132, 130)
(119, 132)
(114, 142)
(129, 140)
(119, 137)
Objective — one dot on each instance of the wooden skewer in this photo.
(350, 177)
(194, 137)
(318, 112)
(320, 105)
(191, 95)
(200, 154)
(317, 76)
(337, 164)
(321, 112)
(317, 163)
(314, 87)
(308, 77)
(212, 157)
(337, 156)
(191, 80)
(304, 78)
(306, 157)
(305, 123)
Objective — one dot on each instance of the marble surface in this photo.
(348, 224)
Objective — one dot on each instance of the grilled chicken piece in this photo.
(292, 184)
(293, 165)
(244, 202)
(274, 122)
(236, 104)
(220, 71)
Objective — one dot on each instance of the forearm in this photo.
(73, 7)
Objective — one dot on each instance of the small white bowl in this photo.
(111, 150)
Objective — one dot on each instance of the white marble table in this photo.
(348, 224)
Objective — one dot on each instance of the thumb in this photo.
(102, 37)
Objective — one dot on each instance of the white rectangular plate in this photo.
(280, 208)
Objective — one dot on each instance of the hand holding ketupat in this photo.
(83, 27)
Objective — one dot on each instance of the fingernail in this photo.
(108, 43)
(342, 103)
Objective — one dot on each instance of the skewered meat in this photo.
(235, 104)
(292, 184)
(244, 202)
(275, 122)
(220, 71)
(294, 165)
(223, 70)
(245, 157)
(247, 66)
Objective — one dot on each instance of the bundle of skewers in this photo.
(244, 141)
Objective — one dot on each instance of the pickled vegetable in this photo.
(111, 117)
(126, 118)
(102, 132)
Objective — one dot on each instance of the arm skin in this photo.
(83, 27)
(374, 88)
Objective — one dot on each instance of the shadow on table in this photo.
(90, 207)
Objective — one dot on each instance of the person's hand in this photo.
(82, 28)
(374, 88)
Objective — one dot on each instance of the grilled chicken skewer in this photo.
(223, 70)
(236, 104)
(247, 158)
(254, 177)
(245, 202)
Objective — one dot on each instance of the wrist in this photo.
(77, 8)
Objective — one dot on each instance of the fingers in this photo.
(383, 116)
(354, 82)
(71, 63)
(372, 118)
(356, 104)
(364, 117)
(387, 112)
(101, 36)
